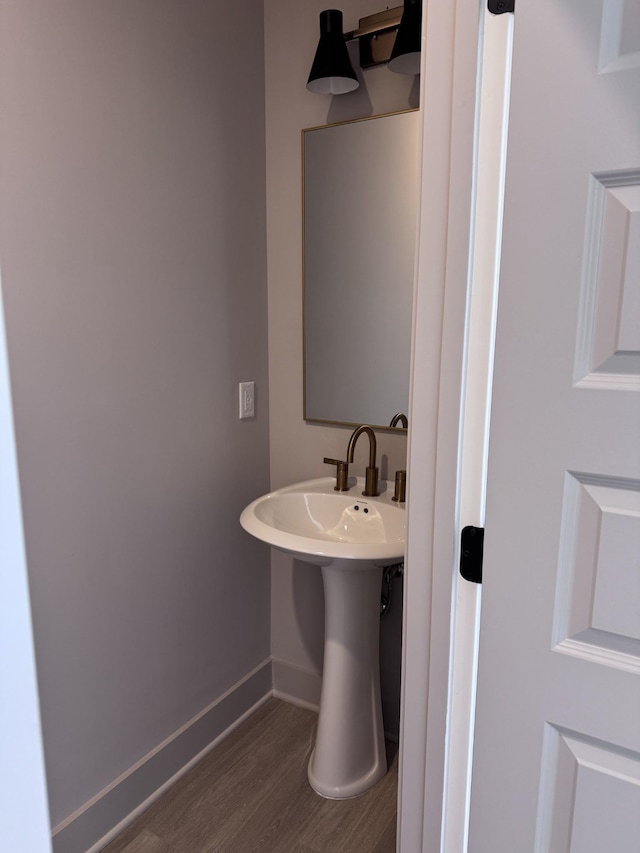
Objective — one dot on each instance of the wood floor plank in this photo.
(258, 776)
(353, 826)
(251, 795)
(386, 842)
(377, 811)
(147, 842)
(207, 787)
(275, 820)
(255, 775)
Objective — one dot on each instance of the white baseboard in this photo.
(296, 685)
(111, 810)
(105, 815)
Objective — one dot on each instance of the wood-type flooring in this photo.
(251, 793)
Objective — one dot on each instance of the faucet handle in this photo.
(342, 474)
(401, 487)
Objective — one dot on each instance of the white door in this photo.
(557, 746)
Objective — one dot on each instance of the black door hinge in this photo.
(471, 548)
(499, 7)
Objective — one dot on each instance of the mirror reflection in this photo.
(360, 207)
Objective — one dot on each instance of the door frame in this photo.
(23, 789)
(450, 40)
(466, 69)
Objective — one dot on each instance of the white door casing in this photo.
(557, 743)
(448, 90)
(463, 118)
(24, 810)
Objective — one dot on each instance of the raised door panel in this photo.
(557, 739)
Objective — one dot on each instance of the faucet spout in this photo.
(364, 428)
(371, 476)
(401, 419)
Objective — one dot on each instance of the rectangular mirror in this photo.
(360, 207)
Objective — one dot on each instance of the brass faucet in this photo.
(342, 474)
(399, 418)
(400, 494)
(371, 475)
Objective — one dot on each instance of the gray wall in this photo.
(132, 239)
(298, 448)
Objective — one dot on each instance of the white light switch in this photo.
(247, 400)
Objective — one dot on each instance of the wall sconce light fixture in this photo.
(332, 72)
(391, 37)
(405, 56)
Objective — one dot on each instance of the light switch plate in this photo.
(247, 397)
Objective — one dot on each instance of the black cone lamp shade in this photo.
(405, 56)
(332, 72)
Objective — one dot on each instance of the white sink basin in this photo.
(319, 525)
(341, 531)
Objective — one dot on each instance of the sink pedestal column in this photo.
(349, 755)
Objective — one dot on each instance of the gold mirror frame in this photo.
(398, 170)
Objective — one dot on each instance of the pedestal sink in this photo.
(351, 538)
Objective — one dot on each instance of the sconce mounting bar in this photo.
(376, 36)
(389, 19)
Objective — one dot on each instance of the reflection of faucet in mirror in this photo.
(371, 475)
(399, 418)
